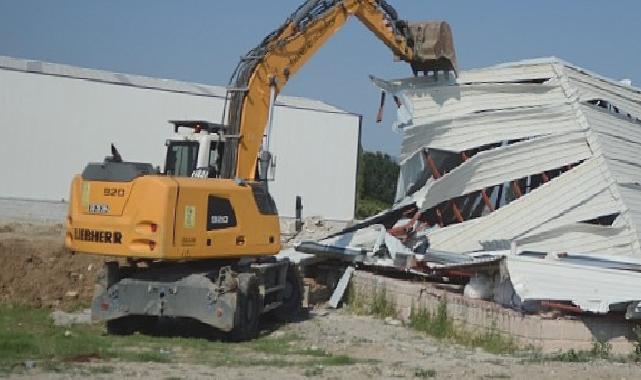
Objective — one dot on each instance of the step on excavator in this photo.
(198, 239)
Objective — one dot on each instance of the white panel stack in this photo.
(520, 120)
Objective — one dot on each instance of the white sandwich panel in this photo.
(508, 163)
(446, 102)
(581, 238)
(490, 127)
(592, 288)
(549, 201)
(588, 87)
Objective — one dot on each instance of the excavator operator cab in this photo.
(196, 150)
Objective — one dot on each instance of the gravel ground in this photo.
(380, 350)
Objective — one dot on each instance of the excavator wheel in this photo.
(292, 296)
(247, 309)
(110, 275)
(122, 326)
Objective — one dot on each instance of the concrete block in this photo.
(545, 334)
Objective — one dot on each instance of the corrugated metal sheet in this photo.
(589, 88)
(624, 172)
(631, 195)
(409, 175)
(604, 202)
(555, 127)
(13, 63)
(592, 288)
(479, 129)
(611, 124)
(448, 102)
(581, 237)
(489, 168)
(619, 140)
(508, 73)
(545, 102)
(553, 199)
(616, 149)
(503, 73)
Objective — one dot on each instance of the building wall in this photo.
(53, 125)
(326, 181)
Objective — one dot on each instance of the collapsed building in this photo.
(526, 171)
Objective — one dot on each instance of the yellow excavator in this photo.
(199, 238)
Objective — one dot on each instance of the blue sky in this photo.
(201, 41)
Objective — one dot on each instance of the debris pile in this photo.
(522, 178)
(38, 271)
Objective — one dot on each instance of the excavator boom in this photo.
(265, 70)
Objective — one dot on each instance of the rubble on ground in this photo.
(61, 318)
(312, 228)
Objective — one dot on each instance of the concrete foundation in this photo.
(547, 334)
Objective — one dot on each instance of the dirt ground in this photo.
(36, 270)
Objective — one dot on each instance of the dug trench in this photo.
(38, 276)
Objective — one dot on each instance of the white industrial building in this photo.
(56, 118)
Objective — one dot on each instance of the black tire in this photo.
(130, 324)
(121, 326)
(292, 296)
(108, 275)
(248, 307)
(112, 273)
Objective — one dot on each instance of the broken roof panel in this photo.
(553, 279)
(479, 129)
(581, 142)
(552, 200)
(602, 203)
(529, 169)
(631, 198)
(589, 87)
(579, 237)
(508, 73)
(618, 138)
(488, 168)
(448, 102)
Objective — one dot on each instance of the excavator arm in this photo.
(265, 70)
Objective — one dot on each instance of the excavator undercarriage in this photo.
(228, 295)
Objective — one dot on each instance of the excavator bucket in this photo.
(433, 46)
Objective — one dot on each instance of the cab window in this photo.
(182, 157)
